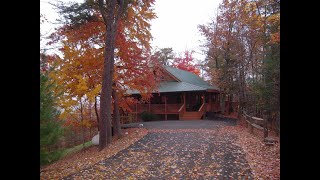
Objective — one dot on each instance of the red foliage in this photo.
(186, 63)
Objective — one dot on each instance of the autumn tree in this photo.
(224, 49)
(270, 86)
(186, 62)
(111, 12)
(243, 53)
(83, 40)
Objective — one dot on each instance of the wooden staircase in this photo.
(191, 115)
(194, 115)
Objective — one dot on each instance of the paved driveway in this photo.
(190, 124)
(175, 154)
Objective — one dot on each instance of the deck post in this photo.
(204, 109)
(184, 101)
(149, 105)
(210, 101)
(165, 107)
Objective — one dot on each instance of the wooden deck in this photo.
(167, 109)
(157, 108)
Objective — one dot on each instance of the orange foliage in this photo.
(79, 71)
(237, 38)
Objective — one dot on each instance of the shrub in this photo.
(148, 116)
(49, 157)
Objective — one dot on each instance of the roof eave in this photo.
(213, 90)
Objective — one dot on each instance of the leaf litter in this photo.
(225, 152)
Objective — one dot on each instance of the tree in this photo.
(164, 56)
(243, 53)
(186, 63)
(111, 12)
(270, 92)
(84, 45)
(50, 127)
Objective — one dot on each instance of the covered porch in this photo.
(178, 105)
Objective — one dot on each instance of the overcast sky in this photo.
(176, 25)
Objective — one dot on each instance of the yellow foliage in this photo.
(79, 71)
(86, 123)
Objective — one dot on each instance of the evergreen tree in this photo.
(50, 128)
(165, 56)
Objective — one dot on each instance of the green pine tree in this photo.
(50, 128)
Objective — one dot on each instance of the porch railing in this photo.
(201, 110)
(201, 107)
(157, 108)
(181, 110)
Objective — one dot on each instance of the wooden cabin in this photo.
(181, 95)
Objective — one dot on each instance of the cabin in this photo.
(181, 95)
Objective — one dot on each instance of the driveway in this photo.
(189, 152)
(190, 124)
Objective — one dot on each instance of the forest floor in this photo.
(223, 152)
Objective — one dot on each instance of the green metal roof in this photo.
(187, 82)
(186, 76)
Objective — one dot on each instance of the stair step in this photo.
(191, 115)
(194, 117)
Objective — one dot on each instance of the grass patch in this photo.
(76, 148)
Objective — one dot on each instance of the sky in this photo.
(175, 27)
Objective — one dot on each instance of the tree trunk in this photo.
(105, 98)
(82, 127)
(90, 112)
(116, 116)
(241, 91)
(110, 19)
(96, 110)
(230, 97)
(265, 118)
